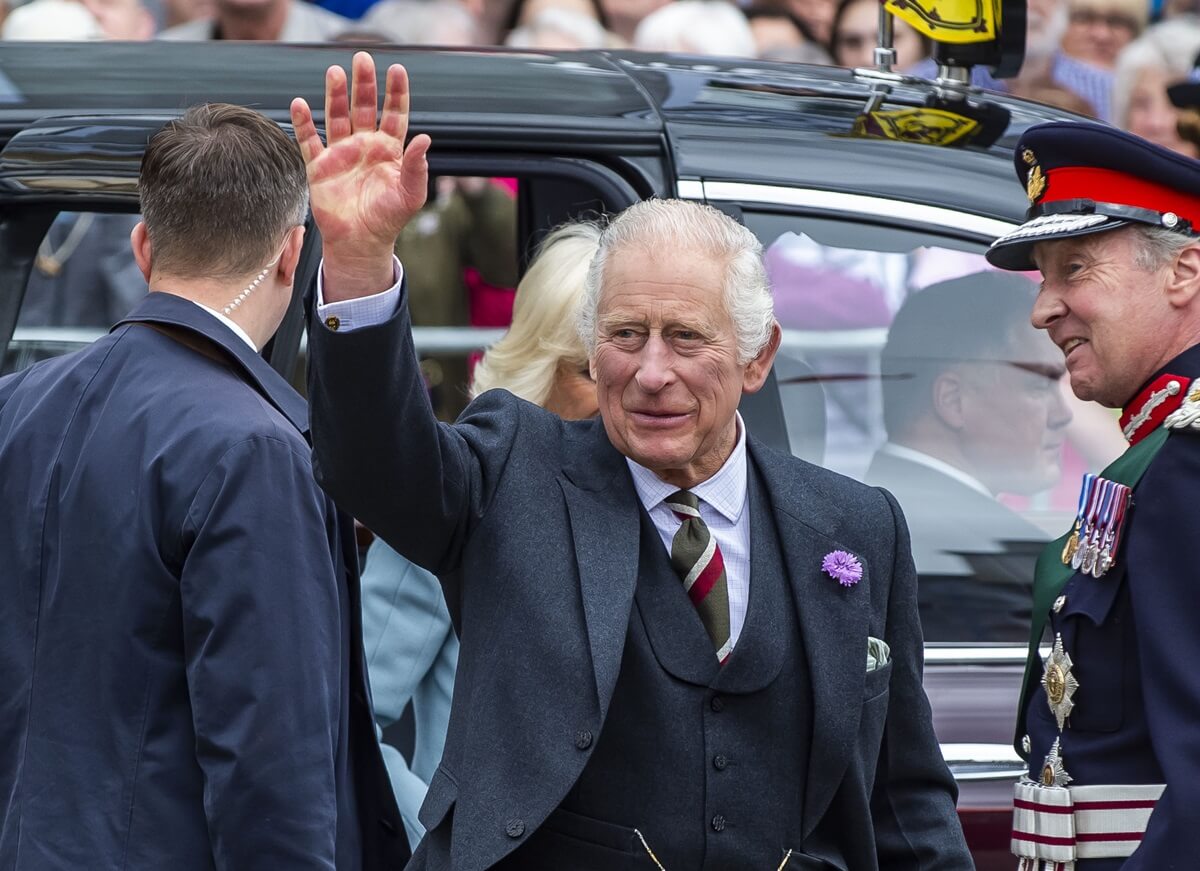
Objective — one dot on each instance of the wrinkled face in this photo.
(1151, 113)
(573, 394)
(1014, 416)
(1110, 318)
(1097, 35)
(668, 380)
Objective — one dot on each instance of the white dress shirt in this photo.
(723, 509)
(237, 331)
(722, 497)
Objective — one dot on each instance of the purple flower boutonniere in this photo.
(843, 567)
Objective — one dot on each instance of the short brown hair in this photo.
(219, 188)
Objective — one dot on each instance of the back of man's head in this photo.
(219, 188)
(978, 317)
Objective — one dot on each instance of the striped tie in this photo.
(695, 555)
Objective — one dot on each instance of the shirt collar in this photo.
(725, 491)
(237, 331)
(914, 456)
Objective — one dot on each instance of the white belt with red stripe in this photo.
(1054, 826)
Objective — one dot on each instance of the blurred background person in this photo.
(708, 27)
(45, 20)
(262, 20)
(624, 16)
(779, 35)
(1146, 68)
(855, 33)
(412, 649)
(974, 407)
(554, 29)
(523, 12)
(421, 22)
(1096, 32)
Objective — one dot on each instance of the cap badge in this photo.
(1035, 182)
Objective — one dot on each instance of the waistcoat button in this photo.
(583, 739)
(717, 704)
(719, 762)
(515, 828)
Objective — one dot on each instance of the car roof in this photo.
(744, 120)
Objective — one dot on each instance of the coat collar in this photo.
(165, 308)
(1161, 395)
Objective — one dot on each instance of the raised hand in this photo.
(364, 184)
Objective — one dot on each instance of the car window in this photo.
(84, 279)
(932, 383)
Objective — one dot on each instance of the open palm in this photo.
(364, 185)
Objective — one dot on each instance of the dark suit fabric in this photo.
(541, 519)
(183, 679)
(974, 556)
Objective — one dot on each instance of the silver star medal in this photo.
(1059, 683)
(1053, 772)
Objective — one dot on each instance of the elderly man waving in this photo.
(679, 649)
(1108, 720)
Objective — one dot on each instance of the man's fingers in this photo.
(306, 131)
(365, 96)
(395, 103)
(337, 106)
(414, 175)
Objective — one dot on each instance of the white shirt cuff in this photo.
(366, 311)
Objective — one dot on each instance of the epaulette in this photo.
(1187, 416)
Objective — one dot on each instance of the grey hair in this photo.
(1168, 46)
(685, 227)
(1158, 246)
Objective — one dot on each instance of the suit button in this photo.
(333, 323)
(717, 704)
(515, 828)
(719, 762)
(583, 739)
(718, 823)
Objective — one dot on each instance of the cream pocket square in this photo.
(878, 653)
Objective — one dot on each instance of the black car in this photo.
(864, 188)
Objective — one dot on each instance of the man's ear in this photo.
(139, 239)
(290, 258)
(759, 368)
(948, 399)
(1183, 284)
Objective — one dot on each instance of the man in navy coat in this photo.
(679, 649)
(180, 641)
(1108, 716)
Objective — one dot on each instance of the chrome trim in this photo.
(812, 198)
(429, 340)
(973, 655)
(834, 340)
(689, 189)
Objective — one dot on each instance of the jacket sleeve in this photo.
(263, 645)
(913, 800)
(1166, 622)
(382, 455)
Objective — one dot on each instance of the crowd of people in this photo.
(1110, 59)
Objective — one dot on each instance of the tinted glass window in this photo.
(921, 365)
(83, 281)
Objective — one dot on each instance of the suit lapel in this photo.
(603, 510)
(833, 623)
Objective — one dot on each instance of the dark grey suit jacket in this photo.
(533, 525)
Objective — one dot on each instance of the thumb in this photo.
(414, 175)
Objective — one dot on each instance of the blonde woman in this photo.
(411, 647)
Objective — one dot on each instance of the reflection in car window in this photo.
(934, 385)
(83, 281)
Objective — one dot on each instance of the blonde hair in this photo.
(543, 333)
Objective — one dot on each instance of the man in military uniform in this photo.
(1108, 720)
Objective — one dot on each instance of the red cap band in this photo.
(1110, 186)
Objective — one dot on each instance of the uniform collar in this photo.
(162, 307)
(1161, 395)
